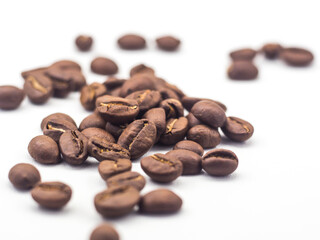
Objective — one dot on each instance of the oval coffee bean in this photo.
(56, 127)
(220, 162)
(272, 50)
(192, 120)
(115, 130)
(38, 88)
(131, 42)
(98, 132)
(172, 107)
(133, 179)
(112, 83)
(84, 42)
(10, 97)
(237, 129)
(176, 129)
(188, 102)
(104, 66)
(146, 99)
(297, 57)
(24, 176)
(141, 68)
(160, 201)
(189, 145)
(104, 232)
(116, 201)
(66, 64)
(158, 117)
(94, 120)
(109, 168)
(52, 195)
(246, 54)
(168, 43)
(56, 116)
(192, 162)
(168, 93)
(242, 70)
(162, 168)
(40, 71)
(90, 93)
(138, 82)
(206, 136)
(44, 150)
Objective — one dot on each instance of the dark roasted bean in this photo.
(172, 107)
(133, 179)
(168, 43)
(131, 42)
(104, 232)
(55, 127)
(10, 97)
(84, 42)
(44, 150)
(242, 70)
(146, 99)
(136, 83)
(38, 88)
(206, 136)
(62, 116)
(237, 129)
(104, 66)
(297, 57)
(115, 130)
(24, 176)
(189, 145)
(109, 167)
(191, 161)
(188, 102)
(158, 117)
(176, 129)
(141, 68)
(98, 132)
(246, 54)
(192, 120)
(90, 93)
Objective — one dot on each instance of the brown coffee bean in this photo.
(84, 42)
(62, 116)
(272, 50)
(44, 150)
(66, 64)
(104, 66)
(192, 120)
(131, 42)
(188, 102)
(246, 54)
(52, 195)
(116, 201)
(161, 168)
(24, 176)
(115, 130)
(158, 117)
(115, 92)
(220, 162)
(93, 120)
(237, 129)
(109, 168)
(55, 127)
(138, 82)
(172, 107)
(297, 57)
(90, 93)
(168, 43)
(10, 97)
(141, 68)
(168, 93)
(189, 145)
(37, 71)
(146, 99)
(113, 83)
(133, 179)
(176, 129)
(160, 201)
(191, 161)
(38, 88)
(104, 232)
(174, 88)
(98, 132)
(242, 70)
(206, 136)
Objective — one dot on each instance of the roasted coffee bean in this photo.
(84, 42)
(242, 70)
(138, 137)
(93, 120)
(176, 129)
(62, 116)
(206, 136)
(220, 162)
(38, 88)
(104, 232)
(246, 54)
(10, 97)
(90, 93)
(172, 107)
(192, 120)
(146, 99)
(174, 88)
(160, 201)
(138, 82)
(52, 195)
(188, 102)
(116, 201)
(297, 57)
(101, 149)
(98, 132)
(237, 129)
(37, 71)
(73, 147)
(189, 145)
(168, 43)
(191, 161)
(55, 127)
(158, 117)
(44, 150)
(117, 110)
(168, 93)
(272, 50)
(161, 168)
(209, 113)
(66, 64)
(141, 68)
(131, 42)
(24, 176)
(109, 168)
(115, 130)
(104, 66)
(115, 92)
(133, 179)
(112, 83)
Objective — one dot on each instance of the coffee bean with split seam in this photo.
(133, 179)
(110, 167)
(237, 129)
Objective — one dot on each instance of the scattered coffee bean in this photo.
(98, 132)
(44, 150)
(138, 82)
(62, 116)
(10, 97)
(245, 54)
(272, 50)
(242, 70)
(297, 57)
(192, 120)
(94, 120)
(237, 129)
(104, 232)
(158, 117)
(38, 88)
(109, 168)
(191, 161)
(131, 42)
(55, 127)
(189, 145)
(176, 129)
(115, 130)
(84, 42)
(168, 93)
(168, 43)
(141, 68)
(133, 179)
(90, 93)
(24, 176)
(206, 136)
(66, 64)
(37, 71)
(113, 83)
(172, 107)
(188, 102)
(146, 99)
(104, 66)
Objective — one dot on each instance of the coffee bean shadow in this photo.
(227, 141)
(61, 211)
(159, 147)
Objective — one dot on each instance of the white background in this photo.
(274, 193)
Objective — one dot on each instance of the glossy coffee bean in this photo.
(220, 162)
(246, 54)
(161, 168)
(272, 50)
(104, 232)
(146, 99)
(237, 129)
(176, 129)
(172, 107)
(131, 42)
(98, 132)
(242, 70)
(52, 195)
(116, 201)
(206, 136)
(138, 82)
(44, 150)
(141, 68)
(24, 176)
(84, 42)
(189, 145)
(38, 88)
(10, 97)
(158, 117)
(104, 66)
(56, 127)
(191, 161)
(192, 120)
(160, 201)
(90, 93)
(297, 57)
(93, 120)
(115, 130)
(109, 167)
(168, 43)
(112, 83)
(133, 179)
(58, 115)
(188, 102)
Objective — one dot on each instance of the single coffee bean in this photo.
(66, 64)
(146, 99)
(174, 88)
(10, 97)
(104, 66)
(37, 71)
(172, 107)
(84, 42)
(192, 120)
(141, 68)
(272, 50)
(168, 43)
(112, 83)
(101, 149)
(160, 201)
(131, 42)
(191, 161)
(44, 150)
(138, 82)
(189, 145)
(242, 70)
(176, 129)
(209, 113)
(168, 93)
(116, 201)
(38, 88)
(245, 54)
(24, 176)
(109, 167)
(133, 179)
(117, 110)
(62, 116)
(206, 136)
(52, 195)
(90, 93)
(237, 129)
(158, 117)
(55, 127)
(188, 102)
(297, 57)
(115, 130)
(104, 232)
(93, 120)
(98, 132)
(220, 162)
(161, 168)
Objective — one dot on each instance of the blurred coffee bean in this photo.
(168, 43)
(104, 66)
(84, 42)
(24, 176)
(128, 178)
(131, 42)
(242, 70)
(44, 150)
(112, 167)
(10, 97)
(90, 93)
(141, 68)
(297, 57)
(272, 50)
(206, 136)
(246, 54)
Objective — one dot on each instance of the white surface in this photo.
(274, 194)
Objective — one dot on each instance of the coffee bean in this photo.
(115, 130)
(246, 54)
(84, 42)
(272, 50)
(141, 68)
(168, 43)
(104, 232)
(93, 120)
(189, 145)
(174, 88)
(52, 195)
(117, 110)
(98, 132)
(176, 129)
(112, 83)
(242, 70)
(116, 201)
(133, 179)
(101, 149)
(168, 93)
(206, 136)
(131, 42)
(160, 201)
(209, 113)
(220, 162)
(104, 66)
(158, 117)
(172, 107)
(44, 150)
(191, 161)
(138, 82)
(237, 129)
(10, 97)
(146, 99)
(192, 120)
(90, 93)
(24, 176)
(56, 126)
(66, 64)
(297, 57)
(188, 102)
(37, 71)
(62, 116)
(109, 168)
(161, 168)
(115, 92)
(38, 88)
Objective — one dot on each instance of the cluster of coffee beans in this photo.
(243, 68)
